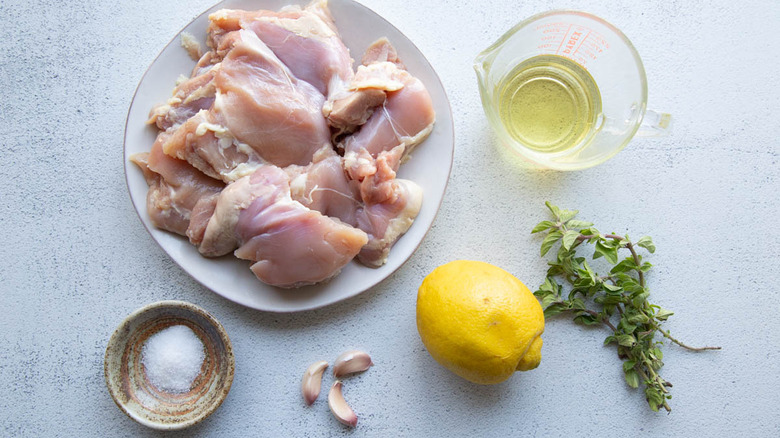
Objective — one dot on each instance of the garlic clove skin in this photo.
(353, 361)
(312, 381)
(339, 407)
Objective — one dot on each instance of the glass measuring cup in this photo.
(566, 90)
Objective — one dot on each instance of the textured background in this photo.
(76, 259)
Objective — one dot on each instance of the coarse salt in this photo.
(172, 358)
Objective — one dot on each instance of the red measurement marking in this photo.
(581, 43)
(572, 40)
(563, 40)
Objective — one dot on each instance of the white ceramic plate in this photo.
(230, 277)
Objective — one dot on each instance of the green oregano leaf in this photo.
(638, 318)
(542, 226)
(632, 378)
(553, 209)
(567, 215)
(569, 237)
(577, 304)
(654, 397)
(578, 224)
(663, 314)
(550, 240)
(548, 299)
(625, 265)
(554, 309)
(627, 326)
(647, 243)
(586, 318)
(640, 299)
(549, 285)
(609, 252)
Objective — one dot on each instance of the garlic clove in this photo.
(312, 381)
(352, 361)
(339, 407)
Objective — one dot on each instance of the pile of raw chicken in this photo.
(275, 149)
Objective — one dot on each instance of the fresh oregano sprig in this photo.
(617, 299)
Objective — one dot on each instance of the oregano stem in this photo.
(630, 247)
(598, 317)
(592, 313)
(669, 336)
(644, 376)
(652, 372)
(582, 237)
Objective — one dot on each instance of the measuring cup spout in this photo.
(481, 66)
(484, 62)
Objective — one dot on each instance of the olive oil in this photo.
(549, 103)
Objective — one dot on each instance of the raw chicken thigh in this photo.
(179, 195)
(211, 148)
(260, 113)
(305, 39)
(348, 110)
(189, 97)
(290, 245)
(323, 186)
(403, 120)
(385, 222)
(308, 147)
(263, 105)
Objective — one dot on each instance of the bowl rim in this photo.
(118, 336)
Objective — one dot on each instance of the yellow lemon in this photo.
(479, 321)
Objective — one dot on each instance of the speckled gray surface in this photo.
(77, 259)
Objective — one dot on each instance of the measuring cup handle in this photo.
(655, 124)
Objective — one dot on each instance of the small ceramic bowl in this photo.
(126, 377)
